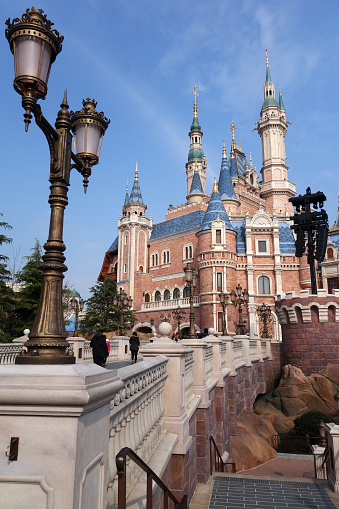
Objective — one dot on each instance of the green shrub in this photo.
(308, 424)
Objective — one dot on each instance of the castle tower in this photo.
(134, 231)
(225, 185)
(216, 250)
(196, 192)
(272, 128)
(196, 156)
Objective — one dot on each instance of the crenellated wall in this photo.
(310, 329)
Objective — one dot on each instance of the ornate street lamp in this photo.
(123, 303)
(224, 303)
(76, 306)
(35, 46)
(239, 298)
(191, 280)
(265, 316)
(178, 315)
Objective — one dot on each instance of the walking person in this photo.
(134, 346)
(100, 350)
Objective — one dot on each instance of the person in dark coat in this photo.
(100, 350)
(134, 346)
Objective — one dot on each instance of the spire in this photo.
(135, 196)
(224, 154)
(268, 74)
(126, 197)
(281, 102)
(214, 211)
(225, 186)
(196, 187)
(233, 128)
(195, 124)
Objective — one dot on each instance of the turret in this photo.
(225, 185)
(196, 156)
(272, 128)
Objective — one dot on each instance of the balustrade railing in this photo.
(136, 417)
(9, 352)
(173, 303)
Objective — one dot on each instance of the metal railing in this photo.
(217, 464)
(120, 459)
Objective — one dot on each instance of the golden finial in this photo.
(233, 128)
(127, 186)
(136, 172)
(224, 154)
(195, 104)
(196, 166)
(251, 162)
(267, 64)
(215, 187)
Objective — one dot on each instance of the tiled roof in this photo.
(240, 229)
(286, 239)
(334, 239)
(196, 186)
(233, 167)
(135, 196)
(177, 224)
(241, 164)
(225, 186)
(214, 210)
(115, 245)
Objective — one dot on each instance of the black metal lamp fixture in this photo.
(77, 306)
(224, 303)
(240, 298)
(191, 279)
(35, 46)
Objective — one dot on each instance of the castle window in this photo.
(333, 284)
(167, 295)
(157, 296)
(196, 139)
(218, 236)
(154, 260)
(176, 293)
(263, 285)
(330, 253)
(262, 246)
(188, 252)
(166, 256)
(141, 268)
(126, 238)
(125, 268)
(147, 297)
(219, 281)
(186, 292)
(220, 320)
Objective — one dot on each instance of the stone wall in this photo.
(310, 329)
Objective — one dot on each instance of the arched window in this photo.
(176, 293)
(188, 252)
(186, 292)
(167, 295)
(166, 256)
(147, 297)
(157, 296)
(263, 285)
(154, 260)
(330, 253)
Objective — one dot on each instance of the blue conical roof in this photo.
(214, 210)
(225, 185)
(135, 196)
(196, 186)
(126, 198)
(281, 102)
(268, 76)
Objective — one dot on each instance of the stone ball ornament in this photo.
(165, 329)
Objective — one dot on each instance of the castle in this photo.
(238, 234)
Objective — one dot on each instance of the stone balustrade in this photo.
(9, 352)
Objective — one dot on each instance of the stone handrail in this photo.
(136, 416)
(173, 303)
(9, 352)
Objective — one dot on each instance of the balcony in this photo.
(170, 304)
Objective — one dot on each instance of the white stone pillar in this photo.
(60, 414)
(333, 445)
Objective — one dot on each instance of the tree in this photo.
(6, 292)
(101, 314)
(30, 278)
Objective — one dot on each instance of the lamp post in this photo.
(191, 280)
(122, 302)
(239, 299)
(265, 315)
(224, 303)
(76, 306)
(35, 46)
(178, 315)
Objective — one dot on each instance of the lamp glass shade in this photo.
(73, 303)
(188, 273)
(246, 296)
(238, 289)
(115, 301)
(32, 58)
(233, 296)
(194, 279)
(222, 297)
(82, 302)
(87, 139)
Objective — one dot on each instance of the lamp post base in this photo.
(45, 359)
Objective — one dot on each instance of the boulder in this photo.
(252, 443)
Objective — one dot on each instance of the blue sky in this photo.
(139, 60)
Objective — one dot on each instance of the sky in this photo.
(139, 60)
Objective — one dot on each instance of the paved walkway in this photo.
(281, 483)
